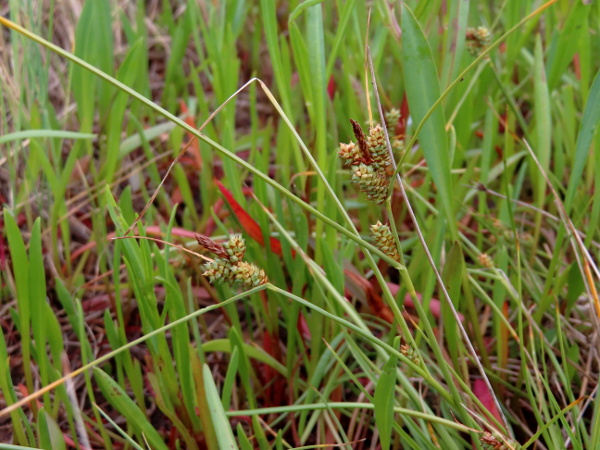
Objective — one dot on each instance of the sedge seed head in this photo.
(351, 153)
(219, 271)
(371, 181)
(391, 119)
(235, 248)
(477, 40)
(384, 240)
(492, 441)
(485, 260)
(378, 147)
(249, 274)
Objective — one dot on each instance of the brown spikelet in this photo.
(477, 40)
(211, 246)
(485, 260)
(361, 140)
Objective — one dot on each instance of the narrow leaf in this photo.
(119, 399)
(422, 90)
(217, 413)
(383, 401)
(589, 126)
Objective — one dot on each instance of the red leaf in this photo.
(577, 66)
(273, 380)
(249, 225)
(404, 112)
(374, 300)
(331, 87)
(302, 327)
(482, 392)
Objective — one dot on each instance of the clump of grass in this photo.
(445, 311)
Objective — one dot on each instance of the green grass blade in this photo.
(383, 402)
(119, 399)
(543, 121)
(565, 42)
(58, 134)
(587, 130)
(127, 74)
(20, 262)
(423, 89)
(94, 43)
(220, 420)
(51, 436)
(122, 432)
(38, 305)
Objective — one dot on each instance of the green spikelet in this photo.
(378, 147)
(219, 271)
(371, 181)
(248, 274)
(477, 40)
(410, 353)
(384, 240)
(235, 248)
(228, 266)
(398, 145)
(391, 119)
(351, 153)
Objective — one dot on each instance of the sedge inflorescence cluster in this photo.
(478, 39)
(385, 240)
(229, 265)
(368, 159)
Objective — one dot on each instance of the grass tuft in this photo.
(187, 263)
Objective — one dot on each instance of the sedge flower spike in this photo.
(410, 353)
(391, 119)
(378, 147)
(384, 240)
(477, 40)
(351, 153)
(235, 248)
(368, 158)
(229, 266)
(493, 441)
(371, 181)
